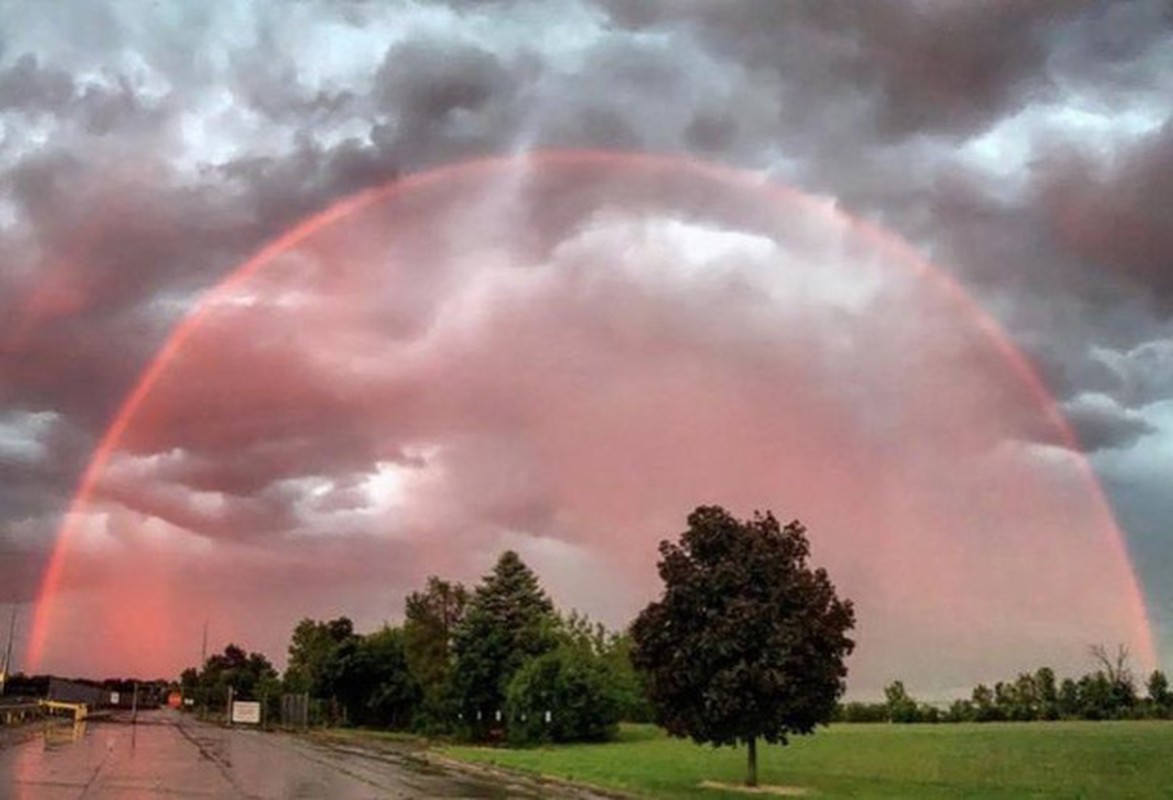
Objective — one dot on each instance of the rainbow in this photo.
(781, 195)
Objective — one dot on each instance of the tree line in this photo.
(746, 642)
(1109, 692)
(498, 661)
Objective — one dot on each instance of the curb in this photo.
(537, 780)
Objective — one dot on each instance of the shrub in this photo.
(574, 686)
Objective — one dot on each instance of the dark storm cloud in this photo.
(104, 246)
(1101, 423)
(427, 83)
(20, 572)
(924, 67)
(39, 457)
(98, 109)
(1144, 374)
(28, 86)
(1114, 212)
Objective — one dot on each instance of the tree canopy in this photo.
(431, 619)
(249, 675)
(311, 650)
(564, 695)
(368, 676)
(747, 641)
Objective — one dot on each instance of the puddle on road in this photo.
(110, 760)
(63, 735)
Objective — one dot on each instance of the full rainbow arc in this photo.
(783, 197)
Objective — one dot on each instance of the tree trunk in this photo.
(751, 774)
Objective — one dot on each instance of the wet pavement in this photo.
(171, 755)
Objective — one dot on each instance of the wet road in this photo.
(169, 755)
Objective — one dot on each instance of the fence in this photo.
(17, 713)
(302, 711)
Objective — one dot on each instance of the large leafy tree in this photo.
(249, 675)
(613, 652)
(312, 648)
(747, 641)
(508, 621)
(368, 676)
(431, 619)
(629, 685)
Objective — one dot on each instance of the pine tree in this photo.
(508, 621)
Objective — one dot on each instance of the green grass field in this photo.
(1113, 760)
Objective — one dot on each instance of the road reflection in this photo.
(57, 735)
(170, 755)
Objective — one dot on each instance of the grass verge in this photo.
(1042, 761)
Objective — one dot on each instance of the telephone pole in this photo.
(8, 650)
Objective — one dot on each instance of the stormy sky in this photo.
(615, 259)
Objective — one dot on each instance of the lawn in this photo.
(1115, 760)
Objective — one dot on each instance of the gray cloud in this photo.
(1113, 213)
(27, 86)
(1102, 423)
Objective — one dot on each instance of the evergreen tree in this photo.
(508, 621)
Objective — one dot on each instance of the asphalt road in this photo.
(170, 755)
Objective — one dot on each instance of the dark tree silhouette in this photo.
(432, 617)
(747, 641)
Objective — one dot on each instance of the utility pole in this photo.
(8, 650)
(204, 646)
(134, 717)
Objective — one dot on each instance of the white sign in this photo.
(247, 712)
(113, 698)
